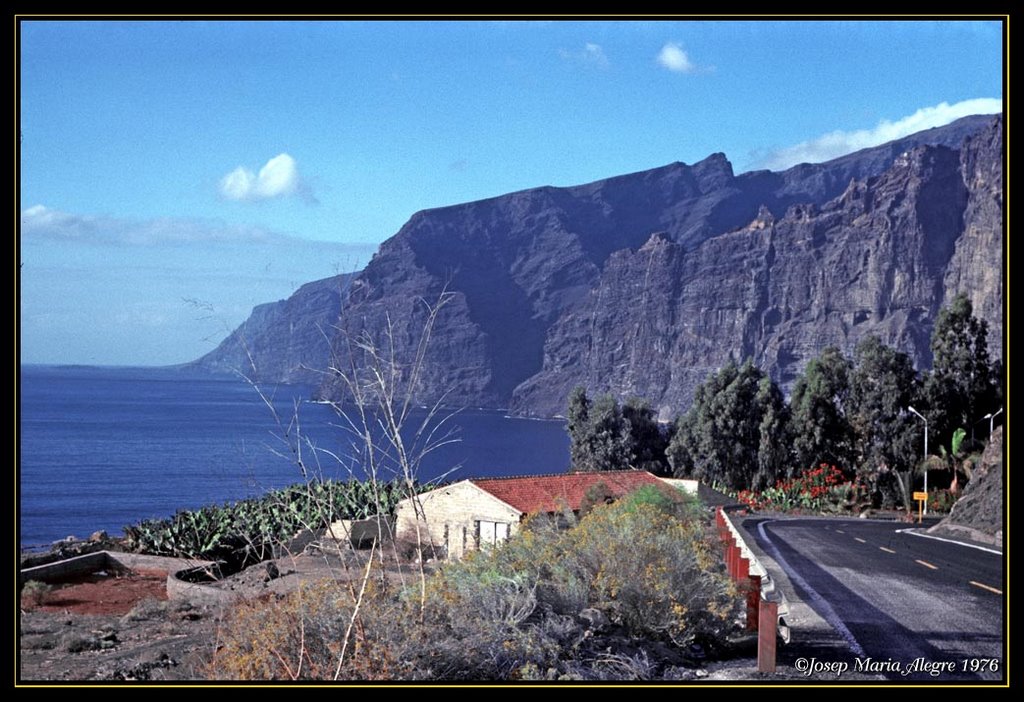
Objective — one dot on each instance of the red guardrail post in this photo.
(753, 601)
(742, 568)
(768, 619)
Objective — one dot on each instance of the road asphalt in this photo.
(900, 606)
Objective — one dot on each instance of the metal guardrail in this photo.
(766, 605)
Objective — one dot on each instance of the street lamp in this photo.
(991, 417)
(925, 453)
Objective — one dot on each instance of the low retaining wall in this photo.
(177, 588)
(766, 606)
(180, 588)
(361, 533)
(68, 568)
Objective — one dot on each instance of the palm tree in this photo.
(953, 460)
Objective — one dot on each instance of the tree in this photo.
(389, 436)
(821, 432)
(719, 438)
(604, 435)
(775, 435)
(963, 385)
(647, 440)
(578, 426)
(609, 436)
(952, 460)
(883, 383)
(599, 434)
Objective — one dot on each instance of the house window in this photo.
(490, 533)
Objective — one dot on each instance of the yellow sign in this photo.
(920, 495)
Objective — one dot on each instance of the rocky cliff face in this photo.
(875, 260)
(645, 283)
(286, 341)
(978, 514)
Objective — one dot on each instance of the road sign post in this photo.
(921, 498)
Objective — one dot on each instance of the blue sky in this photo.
(174, 174)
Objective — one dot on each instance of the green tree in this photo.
(578, 427)
(821, 432)
(964, 384)
(883, 383)
(609, 436)
(775, 436)
(599, 434)
(605, 435)
(719, 438)
(648, 442)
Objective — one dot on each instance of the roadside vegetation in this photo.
(850, 417)
(629, 591)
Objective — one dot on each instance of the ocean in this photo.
(100, 447)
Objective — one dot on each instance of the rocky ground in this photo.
(122, 627)
(978, 514)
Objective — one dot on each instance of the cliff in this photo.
(287, 340)
(645, 283)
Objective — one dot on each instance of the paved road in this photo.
(895, 596)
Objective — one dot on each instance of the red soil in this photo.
(115, 593)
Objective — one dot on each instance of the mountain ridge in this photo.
(529, 270)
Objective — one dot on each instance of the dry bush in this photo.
(34, 593)
(511, 612)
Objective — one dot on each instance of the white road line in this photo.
(926, 564)
(913, 532)
(823, 607)
(887, 550)
(857, 538)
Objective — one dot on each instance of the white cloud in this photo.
(590, 55)
(675, 59)
(838, 143)
(42, 223)
(279, 177)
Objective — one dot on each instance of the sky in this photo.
(175, 174)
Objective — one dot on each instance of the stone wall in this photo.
(451, 512)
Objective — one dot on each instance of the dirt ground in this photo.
(122, 627)
(106, 593)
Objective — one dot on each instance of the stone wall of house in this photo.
(685, 484)
(448, 518)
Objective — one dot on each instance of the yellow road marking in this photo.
(983, 586)
(840, 531)
(926, 564)
(857, 538)
(887, 550)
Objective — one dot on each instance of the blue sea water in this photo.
(100, 448)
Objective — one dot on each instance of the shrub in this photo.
(298, 636)
(147, 609)
(34, 593)
(941, 500)
(504, 613)
(821, 489)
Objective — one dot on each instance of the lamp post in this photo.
(925, 453)
(991, 417)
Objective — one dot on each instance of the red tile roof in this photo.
(553, 493)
